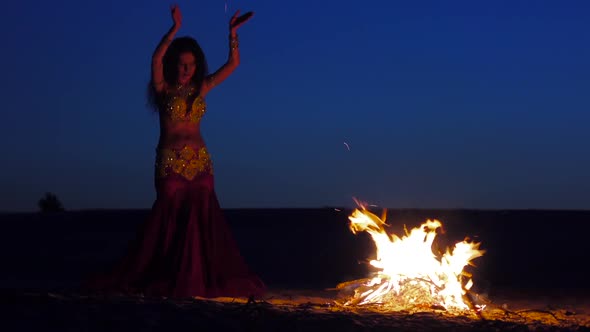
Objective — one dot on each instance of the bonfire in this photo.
(408, 273)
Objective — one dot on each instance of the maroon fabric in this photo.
(184, 249)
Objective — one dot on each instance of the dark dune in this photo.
(306, 248)
(527, 251)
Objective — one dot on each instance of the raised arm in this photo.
(157, 65)
(234, 52)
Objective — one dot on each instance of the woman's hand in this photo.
(176, 15)
(236, 21)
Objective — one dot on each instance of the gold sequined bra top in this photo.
(176, 105)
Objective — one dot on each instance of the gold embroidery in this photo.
(186, 162)
(176, 108)
(198, 109)
(187, 153)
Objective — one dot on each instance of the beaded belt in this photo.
(186, 162)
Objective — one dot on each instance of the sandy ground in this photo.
(280, 310)
(530, 253)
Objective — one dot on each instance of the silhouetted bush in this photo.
(50, 203)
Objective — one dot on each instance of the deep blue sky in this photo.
(444, 104)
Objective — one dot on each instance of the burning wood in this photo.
(409, 273)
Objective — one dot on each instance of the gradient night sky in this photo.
(444, 104)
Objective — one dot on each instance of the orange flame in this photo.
(409, 263)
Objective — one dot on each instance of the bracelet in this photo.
(234, 42)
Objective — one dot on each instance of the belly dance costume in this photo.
(186, 247)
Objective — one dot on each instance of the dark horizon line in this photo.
(336, 208)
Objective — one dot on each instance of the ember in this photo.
(409, 273)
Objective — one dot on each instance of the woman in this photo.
(185, 248)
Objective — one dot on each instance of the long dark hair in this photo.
(170, 63)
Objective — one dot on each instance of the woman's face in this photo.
(186, 67)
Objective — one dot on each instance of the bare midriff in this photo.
(178, 134)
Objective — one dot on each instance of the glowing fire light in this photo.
(409, 273)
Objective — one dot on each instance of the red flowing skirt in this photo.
(184, 249)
